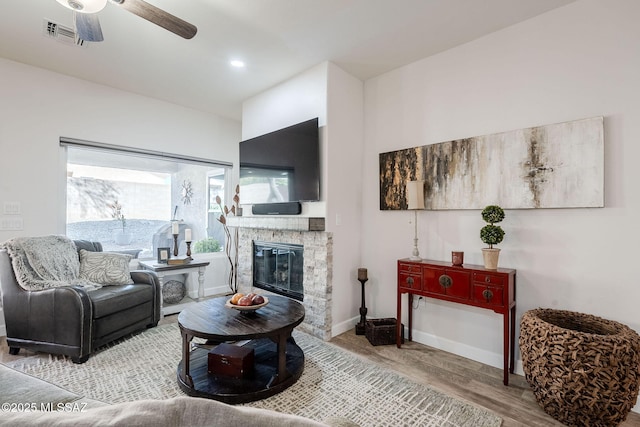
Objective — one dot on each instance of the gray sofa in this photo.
(30, 401)
(73, 320)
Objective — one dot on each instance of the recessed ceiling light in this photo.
(237, 63)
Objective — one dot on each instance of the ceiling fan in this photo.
(88, 26)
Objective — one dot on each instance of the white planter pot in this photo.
(490, 257)
(122, 238)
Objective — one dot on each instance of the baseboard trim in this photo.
(460, 349)
(210, 291)
(464, 350)
(345, 326)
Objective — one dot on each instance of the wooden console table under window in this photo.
(163, 270)
(469, 285)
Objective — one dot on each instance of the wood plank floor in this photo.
(454, 375)
(460, 377)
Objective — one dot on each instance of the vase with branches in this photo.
(120, 237)
(231, 248)
(116, 213)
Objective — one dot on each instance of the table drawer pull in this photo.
(409, 281)
(445, 281)
(487, 294)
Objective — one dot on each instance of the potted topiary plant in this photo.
(491, 234)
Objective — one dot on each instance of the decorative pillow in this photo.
(108, 269)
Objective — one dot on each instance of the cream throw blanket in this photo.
(45, 262)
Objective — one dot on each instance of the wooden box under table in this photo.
(231, 360)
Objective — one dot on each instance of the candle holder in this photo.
(188, 248)
(362, 278)
(175, 245)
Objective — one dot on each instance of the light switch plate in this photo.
(12, 208)
(15, 223)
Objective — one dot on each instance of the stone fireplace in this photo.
(317, 245)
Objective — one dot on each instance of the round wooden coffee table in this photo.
(279, 361)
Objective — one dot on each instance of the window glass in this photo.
(128, 202)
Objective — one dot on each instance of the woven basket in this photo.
(584, 370)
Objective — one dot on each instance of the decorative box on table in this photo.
(382, 331)
(231, 360)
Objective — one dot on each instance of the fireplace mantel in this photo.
(277, 223)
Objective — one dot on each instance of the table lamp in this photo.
(415, 202)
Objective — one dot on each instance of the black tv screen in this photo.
(281, 166)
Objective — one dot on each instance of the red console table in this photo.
(469, 285)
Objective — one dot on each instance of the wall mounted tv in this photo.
(281, 166)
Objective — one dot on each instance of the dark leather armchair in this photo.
(74, 322)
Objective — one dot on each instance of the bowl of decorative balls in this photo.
(247, 303)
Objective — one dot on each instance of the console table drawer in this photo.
(410, 268)
(410, 281)
(490, 296)
(452, 283)
(488, 279)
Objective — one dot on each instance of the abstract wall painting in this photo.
(554, 166)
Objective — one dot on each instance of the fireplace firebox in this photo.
(278, 268)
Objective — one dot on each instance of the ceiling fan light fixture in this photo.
(84, 6)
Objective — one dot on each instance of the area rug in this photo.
(335, 383)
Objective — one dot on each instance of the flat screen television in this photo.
(281, 166)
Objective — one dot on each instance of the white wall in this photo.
(303, 97)
(335, 97)
(300, 98)
(344, 205)
(579, 61)
(39, 106)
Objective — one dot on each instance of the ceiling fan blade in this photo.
(88, 27)
(158, 17)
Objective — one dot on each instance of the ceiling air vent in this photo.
(61, 33)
